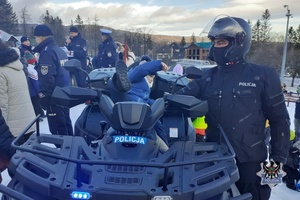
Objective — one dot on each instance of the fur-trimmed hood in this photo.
(8, 56)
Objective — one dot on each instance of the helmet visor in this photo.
(223, 26)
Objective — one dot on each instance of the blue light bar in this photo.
(80, 195)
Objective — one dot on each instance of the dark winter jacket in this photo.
(240, 98)
(24, 48)
(50, 69)
(79, 47)
(297, 109)
(6, 138)
(140, 90)
(107, 54)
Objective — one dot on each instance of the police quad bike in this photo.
(87, 125)
(127, 162)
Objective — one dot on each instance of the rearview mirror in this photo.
(73, 65)
(193, 72)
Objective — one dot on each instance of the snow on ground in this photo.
(279, 192)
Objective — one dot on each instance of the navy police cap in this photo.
(105, 31)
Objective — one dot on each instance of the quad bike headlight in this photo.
(162, 198)
(80, 195)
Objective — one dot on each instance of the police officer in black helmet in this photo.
(241, 96)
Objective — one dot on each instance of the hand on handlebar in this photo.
(164, 66)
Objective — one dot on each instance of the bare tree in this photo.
(25, 18)
(93, 35)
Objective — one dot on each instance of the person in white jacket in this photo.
(15, 100)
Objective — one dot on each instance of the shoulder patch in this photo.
(44, 70)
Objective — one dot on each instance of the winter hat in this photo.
(42, 30)
(30, 58)
(24, 38)
(73, 29)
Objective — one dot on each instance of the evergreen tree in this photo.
(193, 38)
(8, 18)
(256, 29)
(265, 26)
(182, 42)
(298, 36)
(56, 25)
(292, 35)
(79, 23)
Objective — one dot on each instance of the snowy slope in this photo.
(280, 192)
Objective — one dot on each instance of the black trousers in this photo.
(35, 100)
(250, 182)
(59, 120)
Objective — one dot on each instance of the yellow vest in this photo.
(200, 125)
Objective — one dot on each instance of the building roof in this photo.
(7, 37)
(202, 45)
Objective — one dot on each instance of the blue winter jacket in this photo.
(140, 90)
(79, 46)
(24, 48)
(50, 67)
(107, 54)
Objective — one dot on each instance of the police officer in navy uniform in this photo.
(25, 46)
(78, 49)
(51, 74)
(107, 54)
(241, 96)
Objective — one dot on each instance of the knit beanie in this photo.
(42, 30)
(73, 29)
(30, 58)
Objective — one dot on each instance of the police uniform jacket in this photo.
(24, 48)
(107, 54)
(240, 98)
(79, 47)
(50, 69)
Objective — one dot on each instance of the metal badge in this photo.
(44, 70)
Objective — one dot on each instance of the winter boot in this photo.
(120, 78)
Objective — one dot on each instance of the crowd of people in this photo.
(249, 93)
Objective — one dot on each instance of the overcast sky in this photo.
(166, 17)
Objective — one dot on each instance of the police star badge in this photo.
(271, 173)
(44, 70)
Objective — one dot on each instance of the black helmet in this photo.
(234, 29)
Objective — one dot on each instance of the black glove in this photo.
(44, 101)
